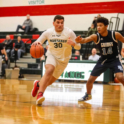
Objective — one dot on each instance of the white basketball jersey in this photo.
(58, 46)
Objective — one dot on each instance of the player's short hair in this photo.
(58, 17)
(103, 20)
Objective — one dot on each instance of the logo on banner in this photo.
(35, 2)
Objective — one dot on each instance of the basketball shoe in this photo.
(85, 98)
(40, 98)
(35, 88)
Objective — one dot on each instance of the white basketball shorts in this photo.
(59, 66)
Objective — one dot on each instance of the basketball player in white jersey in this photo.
(58, 54)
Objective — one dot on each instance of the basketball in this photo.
(37, 51)
(116, 80)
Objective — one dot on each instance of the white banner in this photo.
(35, 2)
(77, 71)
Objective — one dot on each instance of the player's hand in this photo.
(78, 39)
(70, 42)
(36, 43)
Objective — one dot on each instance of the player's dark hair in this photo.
(103, 20)
(58, 17)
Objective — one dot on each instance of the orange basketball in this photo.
(36, 51)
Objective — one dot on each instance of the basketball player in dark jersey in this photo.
(107, 42)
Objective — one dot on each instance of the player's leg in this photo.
(44, 83)
(36, 85)
(98, 69)
(52, 80)
(89, 86)
(120, 77)
(50, 67)
(60, 67)
(45, 79)
(50, 61)
(56, 74)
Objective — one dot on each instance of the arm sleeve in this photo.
(73, 37)
(43, 37)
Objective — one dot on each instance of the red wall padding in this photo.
(1, 40)
(35, 36)
(64, 9)
(26, 40)
(11, 37)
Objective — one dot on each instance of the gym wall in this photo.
(78, 14)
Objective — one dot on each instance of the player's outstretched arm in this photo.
(92, 37)
(76, 46)
(41, 39)
(119, 37)
(71, 41)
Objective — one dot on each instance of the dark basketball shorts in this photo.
(99, 68)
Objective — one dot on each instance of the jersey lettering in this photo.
(108, 52)
(57, 45)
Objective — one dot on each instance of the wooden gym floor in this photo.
(61, 106)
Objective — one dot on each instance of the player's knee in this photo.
(49, 71)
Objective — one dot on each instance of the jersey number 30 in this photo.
(57, 45)
(109, 51)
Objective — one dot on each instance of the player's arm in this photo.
(72, 42)
(119, 37)
(41, 39)
(92, 37)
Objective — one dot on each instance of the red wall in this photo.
(64, 9)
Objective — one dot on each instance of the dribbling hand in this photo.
(36, 43)
(78, 39)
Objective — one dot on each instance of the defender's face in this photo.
(101, 28)
(59, 25)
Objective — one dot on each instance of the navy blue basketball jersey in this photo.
(108, 47)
